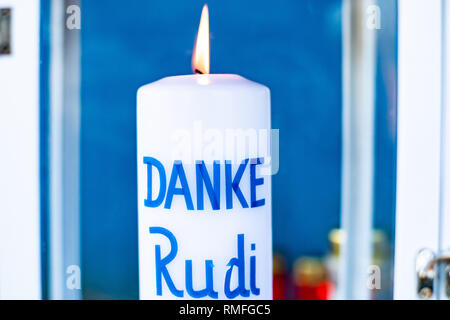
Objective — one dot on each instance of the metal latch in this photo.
(431, 267)
(5, 31)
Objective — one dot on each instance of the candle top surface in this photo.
(206, 81)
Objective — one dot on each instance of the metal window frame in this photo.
(64, 153)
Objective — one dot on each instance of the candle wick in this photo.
(197, 71)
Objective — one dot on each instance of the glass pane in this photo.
(331, 68)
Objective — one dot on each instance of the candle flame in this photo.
(200, 58)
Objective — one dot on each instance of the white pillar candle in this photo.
(204, 201)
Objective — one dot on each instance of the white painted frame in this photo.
(20, 214)
(20, 260)
(445, 211)
(422, 213)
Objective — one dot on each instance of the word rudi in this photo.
(235, 263)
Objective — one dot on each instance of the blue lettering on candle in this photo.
(239, 263)
(161, 264)
(178, 172)
(232, 184)
(203, 178)
(204, 181)
(235, 263)
(255, 182)
(152, 162)
(253, 287)
(209, 290)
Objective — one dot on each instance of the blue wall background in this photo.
(293, 47)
